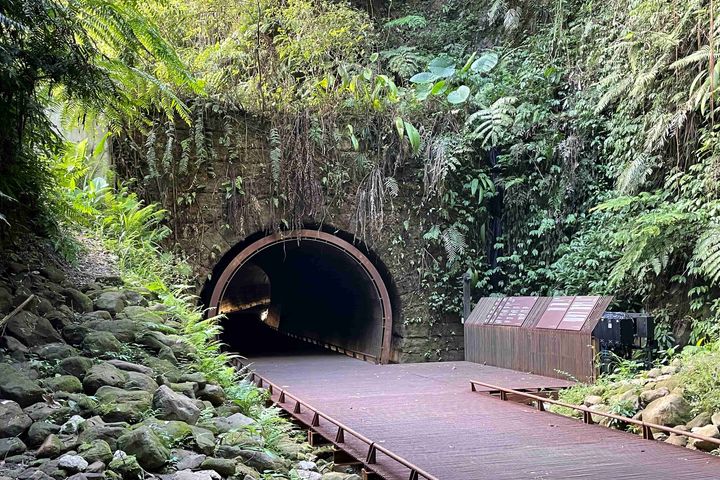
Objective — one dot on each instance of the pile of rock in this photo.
(657, 397)
(94, 383)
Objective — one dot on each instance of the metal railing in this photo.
(333, 348)
(342, 430)
(587, 414)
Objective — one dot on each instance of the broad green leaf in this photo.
(413, 137)
(439, 88)
(423, 90)
(485, 63)
(400, 127)
(374, 57)
(459, 96)
(424, 77)
(443, 67)
(469, 63)
(474, 186)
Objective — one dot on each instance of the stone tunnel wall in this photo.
(219, 200)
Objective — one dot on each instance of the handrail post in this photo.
(413, 475)
(297, 407)
(647, 432)
(281, 398)
(372, 454)
(340, 437)
(315, 420)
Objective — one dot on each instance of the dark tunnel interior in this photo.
(305, 287)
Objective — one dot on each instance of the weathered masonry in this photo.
(321, 279)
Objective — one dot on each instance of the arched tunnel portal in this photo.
(304, 284)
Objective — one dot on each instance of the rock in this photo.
(260, 460)
(53, 274)
(669, 370)
(55, 351)
(340, 476)
(39, 431)
(700, 420)
(213, 394)
(131, 367)
(654, 373)
(233, 422)
(63, 383)
(187, 460)
(650, 395)
(591, 400)
(188, 388)
(96, 429)
(43, 410)
(11, 446)
(678, 440)
(715, 419)
(77, 366)
(31, 329)
(77, 300)
(126, 466)
(199, 475)
(174, 432)
(308, 475)
(175, 406)
(98, 451)
(600, 419)
(13, 345)
(167, 354)
(670, 383)
(306, 465)
(118, 405)
(96, 467)
(103, 374)
(113, 302)
(51, 447)
(13, 421)
(74, 333)
(140, 381)
(73, 425)
(669, 410)
(146, 446)
(123, 330)
(224, 466)
(134, 299)
(710, 431)
(5, 300)
(204, 440)
(16, 386)
(100, 343)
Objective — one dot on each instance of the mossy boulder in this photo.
(77, 366)
(127, 466)
(77, 300)
(101, 375)
(13, 421)
(119, 405)
(224, 466)
(15, 385)
(31, 329)
(63, 383)
(112, 301)
(145, 444)
(101, 343)
(55, 351)
(175, 406)
(98, 450)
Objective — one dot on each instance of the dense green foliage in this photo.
(561, 147)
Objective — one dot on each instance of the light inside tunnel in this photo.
(314, 288)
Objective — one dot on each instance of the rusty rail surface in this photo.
(373, 448)
(646, 427)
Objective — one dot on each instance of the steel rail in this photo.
(342, 429)
(646, 427)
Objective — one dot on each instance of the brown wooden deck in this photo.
(427, 414)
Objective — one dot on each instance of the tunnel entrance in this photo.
(295, 289)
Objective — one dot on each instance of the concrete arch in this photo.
(322, 246)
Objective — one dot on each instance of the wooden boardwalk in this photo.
(427, 414)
